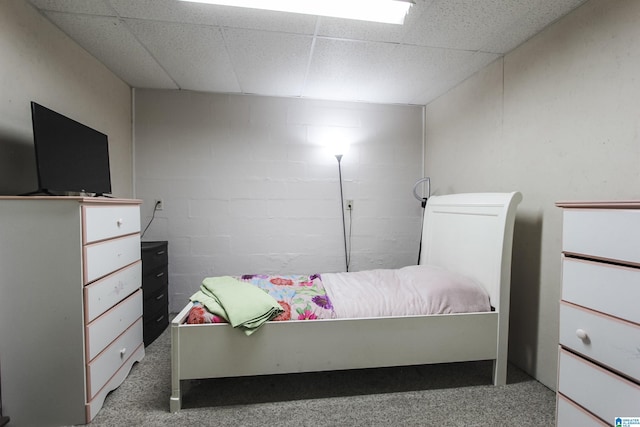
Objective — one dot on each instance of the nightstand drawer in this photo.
(154, 281)
(103, 258)
(604, 393)
(608, 288)
(612, 234)
(154, 255)
(107, 327)
(155, 324)
(107, 292)
(106, 222)
(612, 342)
(156, 301)
(112, 358)
(570, 415)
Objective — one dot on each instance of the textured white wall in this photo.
(557, 119)
(248, 186)
(38, 62)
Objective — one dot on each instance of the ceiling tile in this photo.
(90, 7)
(539, 14)
(451, 72)
(165, 11)
(193, 55)
(372, 31)
(111, 43)
(290, 23)
(269, 63)
(208, 14)
(329, 78)
(459, 24)
(490, 25)
(386, 73)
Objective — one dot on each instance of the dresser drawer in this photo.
(112, 358)
(612, 342)
(106, 222)
(568, 414)
(612, 234)
(103, 258)
(93, 406)
(604, 393)
(611, 289)
(107, 327)
(107, 292)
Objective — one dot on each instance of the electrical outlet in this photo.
(349, 205)
(159, 204)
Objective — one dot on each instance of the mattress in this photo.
(407, 291)
(412, 290)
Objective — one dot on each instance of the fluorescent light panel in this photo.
(385, 11)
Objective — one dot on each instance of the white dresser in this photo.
(70, 305)
(599, 356)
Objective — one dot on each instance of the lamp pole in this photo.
(344, 227)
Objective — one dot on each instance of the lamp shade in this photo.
(337, 147)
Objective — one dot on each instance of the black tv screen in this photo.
(70, 157)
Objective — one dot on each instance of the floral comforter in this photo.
(302, 297)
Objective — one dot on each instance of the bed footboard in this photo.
(336, 344)
(175, 401)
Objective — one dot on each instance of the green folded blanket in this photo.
(245, 306)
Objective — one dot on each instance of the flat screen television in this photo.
(70, 157)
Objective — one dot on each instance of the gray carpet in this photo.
(455, 394)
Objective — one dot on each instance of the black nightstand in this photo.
(155, 283)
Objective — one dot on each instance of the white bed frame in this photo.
(468, 233)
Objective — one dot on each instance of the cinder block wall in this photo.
(248, 185)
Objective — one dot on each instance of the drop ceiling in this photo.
(168, 44)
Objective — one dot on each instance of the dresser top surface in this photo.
(600, 204)
(78, 199)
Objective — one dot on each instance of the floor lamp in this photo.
(344, 227)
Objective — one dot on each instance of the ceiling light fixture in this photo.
(385, 11)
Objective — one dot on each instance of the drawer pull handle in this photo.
(160, 319)
(160, 274)
(119, 222)
(123, 351)
(159, 297)
(582, 334)
(160, 253)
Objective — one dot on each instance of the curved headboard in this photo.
(472, 234)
